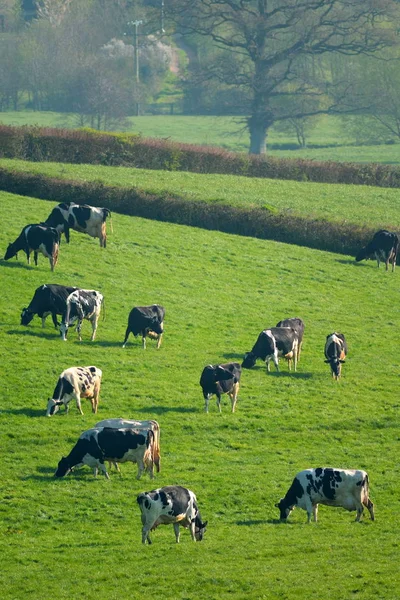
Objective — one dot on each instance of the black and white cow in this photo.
(81, 304)
(335, 353)
(383, 246)
(82, 218)
(272, 343)
(221, 379)
(170, 504)
(76, 383)
(148, 321)
(347, 488)
(36, 238)
(152, 455)
(48, 299)
(98, 445)
(298, 325)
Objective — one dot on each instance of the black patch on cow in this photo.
(82, 215)
(179, 497)
(114, 443)
(63, 387)
(93, 370)
(318, 471)
(81, 448)
(48, 298)
(295, 492)
(329, 480)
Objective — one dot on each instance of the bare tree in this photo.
(267, 42)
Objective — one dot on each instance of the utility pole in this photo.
(135, 25)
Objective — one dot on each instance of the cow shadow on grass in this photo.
(28, 412)
(30, 332)
(255, 522)
(16, 265)
(349, 261)
(292, 374)
(234, 355)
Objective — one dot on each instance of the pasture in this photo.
(328, 140)
(79, 537)
(368, 205)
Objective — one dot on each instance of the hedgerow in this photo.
(344, 238)
(88, 146)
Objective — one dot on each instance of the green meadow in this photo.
(367, 205)
(331, 138)
(80, 537)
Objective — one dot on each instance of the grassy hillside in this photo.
(80, 536)
(229, 133)
(343, 203)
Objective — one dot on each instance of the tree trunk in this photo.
(258, 124)
(258, 139)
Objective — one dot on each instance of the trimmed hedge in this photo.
(87, 146)
(343, 238)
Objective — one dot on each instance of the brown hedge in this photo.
(87, 146)
(342, 238)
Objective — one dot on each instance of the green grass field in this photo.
(79, 537)
(229, 133)
(335, 202)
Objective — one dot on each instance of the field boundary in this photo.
(343, 238)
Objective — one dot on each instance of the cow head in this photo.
(64, 331)
(284, 509)
(11, 251)
(249, 360)
(336, 366)
(222, 374)
(53, 406)
(155, 325)
(63, 468)
(26, 316)
(199, 528)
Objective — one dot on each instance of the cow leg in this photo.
(144, 340)
(177, 532)
(219, 401)
(146, 535)
(276, 361)
(35, 256)
(140, 469)
(127, 332)
(207, 399)
(159, 340)
(78, 403)
(370, 506)
(234, 395)
(94, 329)
(103, 469)
(192, 530)
(54, 317)
(28, 256)
(315, 512)
(360, 510)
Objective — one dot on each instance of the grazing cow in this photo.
(221, 379)
(347, 488)
(82, 218)
(271, 343)
(147, 320)
(36, 238)
(152, 456)
(383, 246)
(115, 445)
(76, 382)
(81, 304)
(335, 353)
(298, 325)
(48, 299)
(171, 504)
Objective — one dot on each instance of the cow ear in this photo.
(326, 361)
(277, 505)
(205, 523)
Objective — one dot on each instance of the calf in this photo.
(383, 246)
(47, 299)
(98, 445)
(82, 218)
(347, 488)
(171, 504)
(152, 456)
(272, 343)
(148, 321)
(335, 353)
(77, 383)
(221, 379)
(81, 304)
(36, 238)
(298, 325)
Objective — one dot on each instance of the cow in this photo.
(298, 325)
(100, 444)
(81, 304)
(335, 353)
(383, 246)
(77, 383)
(221, 379)
(36, 238)
(82, 218)
(271, 343)
(148, 321)
(170, 504)
(49, 298)
(347, 488)
(152, 456)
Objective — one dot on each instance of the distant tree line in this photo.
(270, 62)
